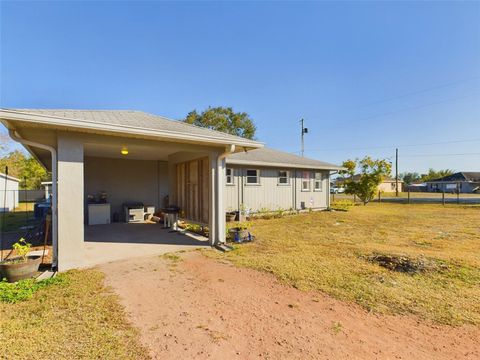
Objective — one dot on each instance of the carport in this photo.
(131, 156)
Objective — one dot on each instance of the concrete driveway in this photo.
(118, 241)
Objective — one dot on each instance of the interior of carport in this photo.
(150, 175)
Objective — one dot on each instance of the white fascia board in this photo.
(8, 177)
(283, 165)
(124, 130)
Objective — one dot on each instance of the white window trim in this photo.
(246, 177)
(302, 179)
(316, 180)
(287, 176)
(231, 176)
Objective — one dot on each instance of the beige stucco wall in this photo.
(70, 202)
(127, 180)
(271, 195)
(388, 186)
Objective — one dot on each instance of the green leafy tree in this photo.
(362, 177)
(25, 167)
(409, 177)
(436, 174)
(224, 119)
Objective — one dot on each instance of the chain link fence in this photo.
(22, 215)
(442, 198)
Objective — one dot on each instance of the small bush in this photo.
(23, 289)
(342, 205)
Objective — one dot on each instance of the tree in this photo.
(409, 177)
(436, 174)
(223, 119)
(370, 174)
(23, 167)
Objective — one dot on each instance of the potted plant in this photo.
(240, 232)
(231, 215)
(21, 266)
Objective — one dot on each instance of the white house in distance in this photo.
(132, 161)
(8, 193)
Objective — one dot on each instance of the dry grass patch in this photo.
(329, 251)
(74, 318)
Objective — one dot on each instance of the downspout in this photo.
(220, 189)
(53, 152)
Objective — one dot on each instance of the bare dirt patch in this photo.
(204, 308)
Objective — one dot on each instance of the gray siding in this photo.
(464, 186)
(271, 195)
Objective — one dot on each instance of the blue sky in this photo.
(365, 76)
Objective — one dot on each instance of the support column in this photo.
(212, 236)
(70, 202)
(221, 220)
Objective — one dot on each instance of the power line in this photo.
(414, 107)
(421, 91)
(394, 146)
(424, 155)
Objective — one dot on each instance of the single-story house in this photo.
(388, 184)
(416, 186)
(125, 157)
(268, 179)
(8, 192)
(47, 188)
(463, 182)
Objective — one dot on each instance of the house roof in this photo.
(460, 176)
(125, 122)
(270, 157)
(8, 177)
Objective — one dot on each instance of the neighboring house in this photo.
(131, 156)
(417, 186)
(47, 187)
(463, 182)
(387, 185)
(8, 193)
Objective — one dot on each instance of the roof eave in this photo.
(12, 115)
(8, 177)
(282, 165)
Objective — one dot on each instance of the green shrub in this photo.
(24, 289)
(342, 205)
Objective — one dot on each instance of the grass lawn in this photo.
(326, 251)
(17, 218)
(75, 318)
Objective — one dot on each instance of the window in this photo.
(252, 177)
(283, 177)
(318, 181)
(306, 181)
(229, 172)
(393, 186)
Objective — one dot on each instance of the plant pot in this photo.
(14, 271)
(239, 234)
(230, 217)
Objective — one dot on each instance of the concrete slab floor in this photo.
(118, 241)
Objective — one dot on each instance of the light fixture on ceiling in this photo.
(124, 150)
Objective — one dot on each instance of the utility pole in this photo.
(396, 172)
(304, 131)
